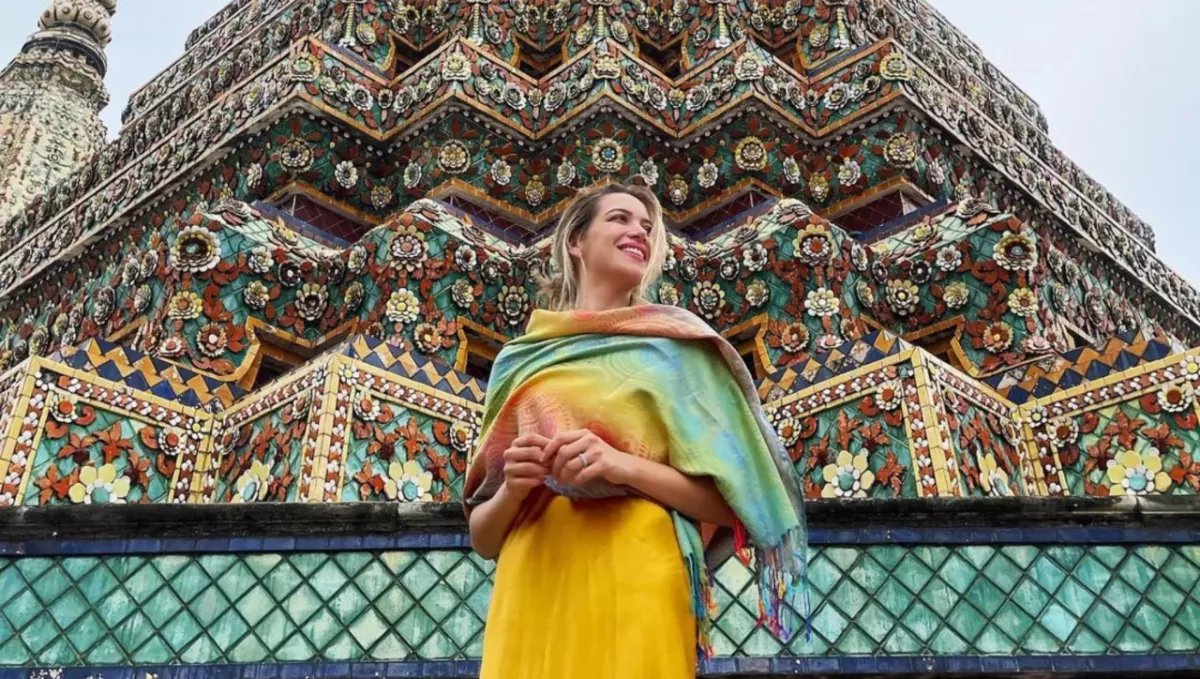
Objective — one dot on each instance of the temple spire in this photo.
(51, 96)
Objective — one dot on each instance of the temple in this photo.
(245, 344)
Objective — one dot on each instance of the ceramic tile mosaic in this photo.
(889, 600)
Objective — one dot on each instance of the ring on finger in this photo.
(583, 461)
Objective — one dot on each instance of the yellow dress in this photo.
(591, 589)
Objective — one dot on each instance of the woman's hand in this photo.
(579, 457)
(524, 468)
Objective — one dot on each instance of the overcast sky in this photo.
(1115, 79)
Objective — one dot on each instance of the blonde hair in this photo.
(559, 292)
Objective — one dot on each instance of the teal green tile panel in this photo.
(431, 605)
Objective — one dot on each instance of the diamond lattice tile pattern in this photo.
(431, 604)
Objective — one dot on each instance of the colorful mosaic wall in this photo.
(285, 281)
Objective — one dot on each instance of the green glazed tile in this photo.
(321, 628)
(1003, 573)
(1133, 641)
(50, 585)
(921, 621)
(228, 629)
(107, 652)
(985, 596)
(437, 647)
(946, 642)
(1150, 620)
(143, 584)
(274, 629)
(85, 632)
(1178, 640)
(22, 608)
(855, 642)
(419, 579)
(342, 648)
(162, 607)
(347, 605)
(1092, 573)
(282, 581)
(249, 650)
(375, 579)
(1121, 596)
(761, 643)
(849, 598)
(993, 641)
(201, 651)
(39, 633)
(735, 622)
(1166, 596)
(1105, 621)
(68, 608)
(967, 621)
(181, 630)
(1058, 621)
(302, 604)
(1039, 641)
(1087, 643)
(255, 605)
(875, 622)
(894, 597)
(236, 581)
(1074, 597)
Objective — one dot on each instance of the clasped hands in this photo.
(572, 458)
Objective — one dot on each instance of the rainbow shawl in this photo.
(716, 428)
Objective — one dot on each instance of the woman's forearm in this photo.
(696, 497)
(490, 521)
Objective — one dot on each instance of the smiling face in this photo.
(615, 249)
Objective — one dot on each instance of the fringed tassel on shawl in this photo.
(704, 606)
(782, 575)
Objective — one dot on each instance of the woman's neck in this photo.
(601, 298)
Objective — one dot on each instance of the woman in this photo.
(611, 428)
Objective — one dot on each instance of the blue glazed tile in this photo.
(754, 665)
(143, 546)
(857, 664)
(959, 664)
(413, 541)
(1172, 663)
(245, 544)
(445, 540)
(403, 669)
(1033, 663)
(212, 545)
(998, 664)
(311, 544)
(222, 672)
(297, 670)
(437, 668)
(346, 543)
(365, 670)
(377, 541)
(278, 544)
(896, 665)
(789, 665)
(719, 666)
(824, 665)
(333, 670)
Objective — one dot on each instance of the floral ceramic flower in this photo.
(381, 196)
(104, 303)
(1015, 252)
(757, 293)
(501, 172)
(997, 337)
(687, 269)
(791, 170)
(253, 484)
(185, 305)
(848, 476)
(849, 173)
(427, 338)
(211, 340)
(171, 441)
(1063, 432)
(993, 478)
(408, 482)
(1133, 473)
(754, 257)
(408, 248)
(196, 250)
(403, 306)
(491, 271)
(346, 174)
(1190, 368)
(814, 245)
(956, 295)
(607, 155)
(889, 396)
(62, 408)
(902, 296)
(818, 187)
(311, 301)
(514, 304)
(535, 191)
(172, 346)
(296, 155)
(99, 486)
(365, 407)
(821, 302)
(728, 268)
(923, 231)
(259, 260)
(708, 175)
(895, 67)
(710, 299)
(565, 174)
(353, 296)
(462, 293)
(794, 338)
(788, 429)
(920, 272)
(1036, 344)
(668, 294)
(462, 436)
(677, 190)
(1177, 397)
(454, 157)
(1023, 302)
(865, 293)
(290, 274)
(901, 151)
(649, 172)
(256, 295)
(837, 96)
(949, 258)
(750, 154)
(412, 175)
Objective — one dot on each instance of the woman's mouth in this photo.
(635, 251)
